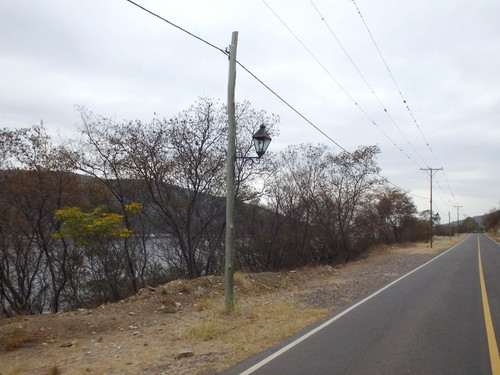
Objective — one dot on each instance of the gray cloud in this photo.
(117, 60)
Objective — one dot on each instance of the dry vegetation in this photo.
(181, 328)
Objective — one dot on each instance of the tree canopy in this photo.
(128, 203)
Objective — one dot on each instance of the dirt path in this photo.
(180, 328)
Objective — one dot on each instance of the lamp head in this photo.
(261, 141)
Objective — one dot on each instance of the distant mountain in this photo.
(477, 219)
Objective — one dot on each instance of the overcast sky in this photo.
(117, 60)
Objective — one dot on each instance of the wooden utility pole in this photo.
(458, 219)
(431, 172)
(449, 225)
(230, 193)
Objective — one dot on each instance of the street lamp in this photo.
(261, 140)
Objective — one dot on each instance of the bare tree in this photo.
(180, 163)
(35, 266)
(102, 153)
(348, 178)
(292, 195)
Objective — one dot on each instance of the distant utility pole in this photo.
(458, 219)
(449, 225)
(431, 172)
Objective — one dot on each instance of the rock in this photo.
(185, 354)
(66, 344)
(178, 304)
(200, 291)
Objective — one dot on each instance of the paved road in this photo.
(440, 319)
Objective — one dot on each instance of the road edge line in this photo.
(491, 239)
(297, 341)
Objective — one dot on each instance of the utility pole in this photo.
(431, 172)
(230, 193)
(458, 219)
(449, 225)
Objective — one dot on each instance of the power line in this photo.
(405, 102)
(177, 26)
(246, 69)
(225, 52)
(312, 54)
(291, 107)
(370, 88)
(443, 199)
(345, 90)
(366, 82)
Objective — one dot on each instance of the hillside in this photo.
(180, 327)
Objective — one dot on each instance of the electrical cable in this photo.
(226, 53)
(290, 106)
(343, 88)
(370, 88)
(405, 102)
(177, 26)
(247, 70)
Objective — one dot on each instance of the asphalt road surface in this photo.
(439, 319)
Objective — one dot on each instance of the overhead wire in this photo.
(438, 210)
(405, 102)
(448, 203)
(368, 85)
(176, 26)
(342, 88)
(291, 107)
(226, 53)
(436, 183)
(440, 194)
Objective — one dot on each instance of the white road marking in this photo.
(336, 317)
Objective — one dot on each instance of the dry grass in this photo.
(439, 243)
(209, 328)
(204, 304)
(137, 336)
(253, 326)
(260, 326)
(241, 280)
(186, 289)
(13, 371)
(16, 339)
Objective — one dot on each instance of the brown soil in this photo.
(181, 327)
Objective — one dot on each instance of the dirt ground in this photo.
(181, 327)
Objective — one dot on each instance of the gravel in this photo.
(353, 282)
